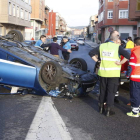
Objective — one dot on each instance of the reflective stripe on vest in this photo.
(133, 64)
(135, 76)
(110, 59)
(108, 69)
(109, 55)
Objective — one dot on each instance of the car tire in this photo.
(17, 35)
(51, 73)
(79, 63)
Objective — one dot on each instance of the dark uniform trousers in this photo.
(108, 88)
(135, 94)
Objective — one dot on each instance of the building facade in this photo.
(134, 13)
(14, 14)
(113, 15)
(57, 24)
(39, 20)
(92, 33)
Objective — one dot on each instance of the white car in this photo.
(81, 41)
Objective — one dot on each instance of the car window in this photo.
(71, 41)
(13, 59)
(3, 55)
(81, 39)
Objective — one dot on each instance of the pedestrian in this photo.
(54, 48)
(134, 74)
(130, 43)
(41, 42)
(109, 70)
(67, 46)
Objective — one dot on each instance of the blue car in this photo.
(38, 72)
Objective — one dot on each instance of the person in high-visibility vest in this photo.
(134, 74)
(109, 70)
(130, 43)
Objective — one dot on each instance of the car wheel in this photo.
(17, 35)
(79, 63)
(51, 73)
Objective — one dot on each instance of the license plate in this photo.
(89, 89)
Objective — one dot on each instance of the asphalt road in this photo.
(85, 123)
(80, 116)
(16, 115)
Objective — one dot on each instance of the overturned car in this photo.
(38, 72)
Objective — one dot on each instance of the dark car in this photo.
(30, 42)
(31, 68)
(74, 45)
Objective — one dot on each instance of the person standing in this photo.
(130, 43)
(41, 42)
(54, 48)
(109, 70)
(134, 74)
(67, 46)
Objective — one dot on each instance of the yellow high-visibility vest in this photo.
(109, 55)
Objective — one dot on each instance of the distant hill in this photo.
(78, 27)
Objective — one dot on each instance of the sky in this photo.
(75, 12)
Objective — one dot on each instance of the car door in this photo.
(17, 74)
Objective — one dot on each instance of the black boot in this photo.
(109, 112)
(101, 108)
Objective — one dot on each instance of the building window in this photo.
(29, 16)
(110, 0)
(10, 13)
(14, 10)
(138, 5)
(26, 1)
(17, 11)
(26, 15)
(110, 14)
(21, 14)
(123, 14)
(29, 2)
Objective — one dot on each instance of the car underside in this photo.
(33, 69)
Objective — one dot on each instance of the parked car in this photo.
(31, 68)
(30, 42)
(81, 41)
(74, 45)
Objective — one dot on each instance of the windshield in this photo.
(81, 39)
(72, 41)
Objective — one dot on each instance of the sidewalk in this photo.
(92, 44)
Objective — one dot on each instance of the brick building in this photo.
(57, 24)
(113, 14)
(14, 14)
(134, 13)
(39, 20)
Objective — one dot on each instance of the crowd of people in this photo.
(54, 48)
(108, 61)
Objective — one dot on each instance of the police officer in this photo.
(66, 46)
(109, 70)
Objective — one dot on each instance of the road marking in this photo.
(47, 123)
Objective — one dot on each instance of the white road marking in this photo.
(47, 123)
